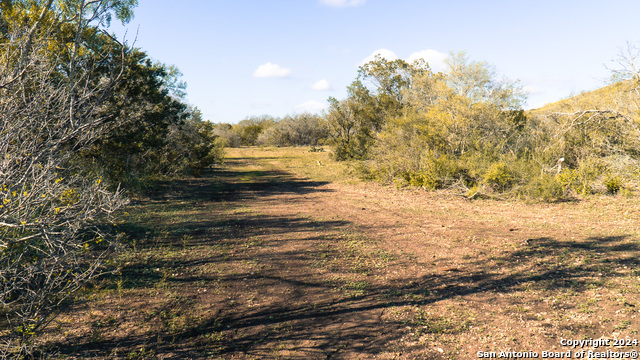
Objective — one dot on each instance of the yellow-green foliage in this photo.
(437, 172)
(571, 179)
(69, 197)
(613, 184)
(465, 127)
(546, 187)
(500, 176)
(582, 179)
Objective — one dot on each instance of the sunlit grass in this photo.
(317, 166)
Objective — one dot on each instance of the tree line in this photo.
(465, 129)
(292, 130)
(84, 120)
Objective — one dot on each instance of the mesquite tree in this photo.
(54, 217)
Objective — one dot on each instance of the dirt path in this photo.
(258, 262)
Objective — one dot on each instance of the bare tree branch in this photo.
(53, 215)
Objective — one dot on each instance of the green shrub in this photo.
(500, 177)
(424, 179)
(546, 188)
(438, 172)
(582, 178)
(613, 184)
(572, 179)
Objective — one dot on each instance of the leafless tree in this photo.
(627, 63)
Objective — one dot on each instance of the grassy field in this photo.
(283, 253)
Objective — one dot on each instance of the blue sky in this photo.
(251, 57)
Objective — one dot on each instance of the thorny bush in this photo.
(54, 218)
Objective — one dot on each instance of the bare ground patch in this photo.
(269, 257)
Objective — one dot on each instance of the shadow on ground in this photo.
(225, 185)
(273, 283)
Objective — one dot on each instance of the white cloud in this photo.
(434, 58)
(385, 53)
(271, 70)
(311, 106)
(321, 85)
(342, 3)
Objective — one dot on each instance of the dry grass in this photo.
(279, 256)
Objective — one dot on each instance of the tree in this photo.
(354, 122)
(250, 128)
(54, 217)
(191, 146)
(453, 126)
(228, 137)
(388, 80)
(477, 81)
(627, 64)
(295, 130)
(141, 109)
(377, 94)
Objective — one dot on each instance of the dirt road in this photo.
(260, 261)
